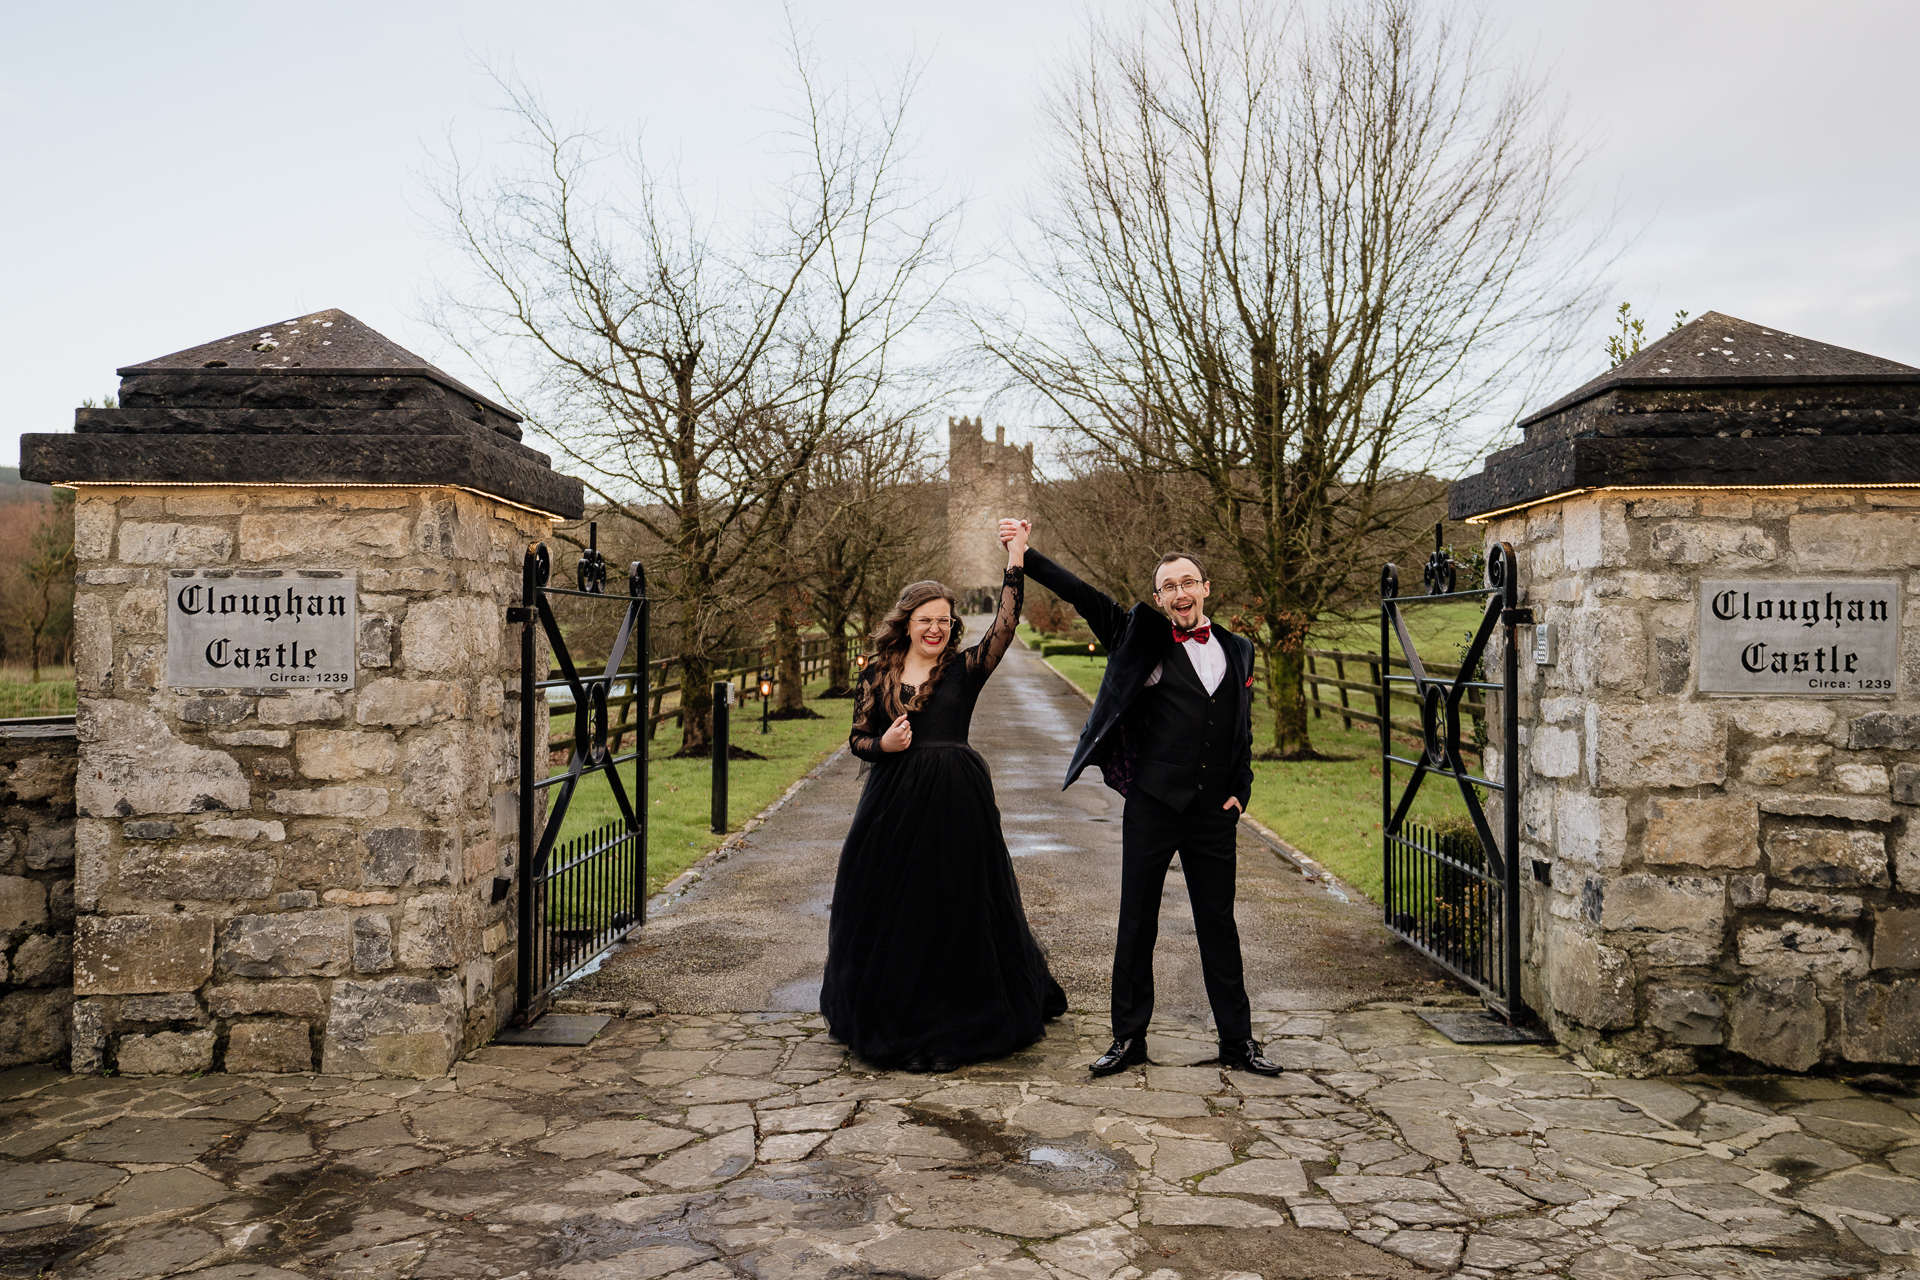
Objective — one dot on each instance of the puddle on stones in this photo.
(1070, 1160)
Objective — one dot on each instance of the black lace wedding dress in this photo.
(929, 957)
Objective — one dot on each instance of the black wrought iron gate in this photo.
(579, 897)
(1455, 896)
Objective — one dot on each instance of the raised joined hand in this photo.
(1014, 532)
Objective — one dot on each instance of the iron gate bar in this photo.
(579, 888)
(1434, 900)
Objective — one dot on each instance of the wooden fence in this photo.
(1346, 665)
(815, 652)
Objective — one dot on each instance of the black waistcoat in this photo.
(1186, 735)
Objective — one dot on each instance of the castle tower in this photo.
(985, 482)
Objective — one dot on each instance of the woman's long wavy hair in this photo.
(891, 642)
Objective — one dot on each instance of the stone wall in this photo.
(300, 880)
(1721, 874)
(36, 892)
(986, 482)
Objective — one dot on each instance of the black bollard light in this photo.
(722, 700)
(766, 699)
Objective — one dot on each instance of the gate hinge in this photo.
(1521, 617)
(519, 613)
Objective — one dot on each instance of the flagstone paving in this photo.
(719, 1147)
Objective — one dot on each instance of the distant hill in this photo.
(14, 489)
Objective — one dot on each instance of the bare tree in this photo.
(688, 367)
(866, 521)
(1291, 259)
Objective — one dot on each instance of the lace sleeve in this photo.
(985, 656)
(869, 718)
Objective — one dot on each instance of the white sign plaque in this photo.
(1811, 638)
(261, 629)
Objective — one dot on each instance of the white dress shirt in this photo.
(1209, 662)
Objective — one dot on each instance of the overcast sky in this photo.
(178, 173)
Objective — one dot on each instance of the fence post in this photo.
(1340, 670)
(722, 697)
(1313, 698)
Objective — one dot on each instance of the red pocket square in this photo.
(1249, 682)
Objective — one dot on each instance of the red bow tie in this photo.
(1199, 633)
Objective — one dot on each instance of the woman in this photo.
(929, 959)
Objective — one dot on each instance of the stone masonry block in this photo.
(1884, 731)
(1708, 831)
(50, 847)
(452, 635)
(44, 960)
(401, 703)
(288, 945)
(376, 642)
(132, 954)
(439, 930)
(165, 1053)
(200, 873)
(1687, 1015)
(1592, 830)
(23, 904)
(174, 545)
(330, 802)
(177, 1007)
(1880, 1021)
(334, 754)
(136, 765)
(92, 645)
(449, 771)
(92, 844)
(360, 533)
(1798, 949)
(243, 999)
(372, 944)
(1772, 766)
(1852, 808)
(44, 777)
(269, 1046)
(394, 1027)
(1628, 747)
(93, 520)
(1778, 1022)
(1809, 902)
(1665, 904)
(1854, 542)
(1906, 783)
(407, 855)
(1863, 779)
(1896, 939)
(1784, 720)
(34, 1025)
(1723, 546)
(1826, 857)
(301, 708)
(1555, 752)
(1589, 982)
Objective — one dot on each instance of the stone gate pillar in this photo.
(1722, 848)
(297, 764)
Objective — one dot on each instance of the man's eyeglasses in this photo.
(1188, 585)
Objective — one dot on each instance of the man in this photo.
(1172, 731)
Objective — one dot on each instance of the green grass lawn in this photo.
(21, 696)
(681, 790)
(1330, 809)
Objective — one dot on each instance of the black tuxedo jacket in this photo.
(1138, 640)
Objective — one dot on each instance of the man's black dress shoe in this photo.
(1248, 1056)
(1123, 1054)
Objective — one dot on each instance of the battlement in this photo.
(985, 481)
